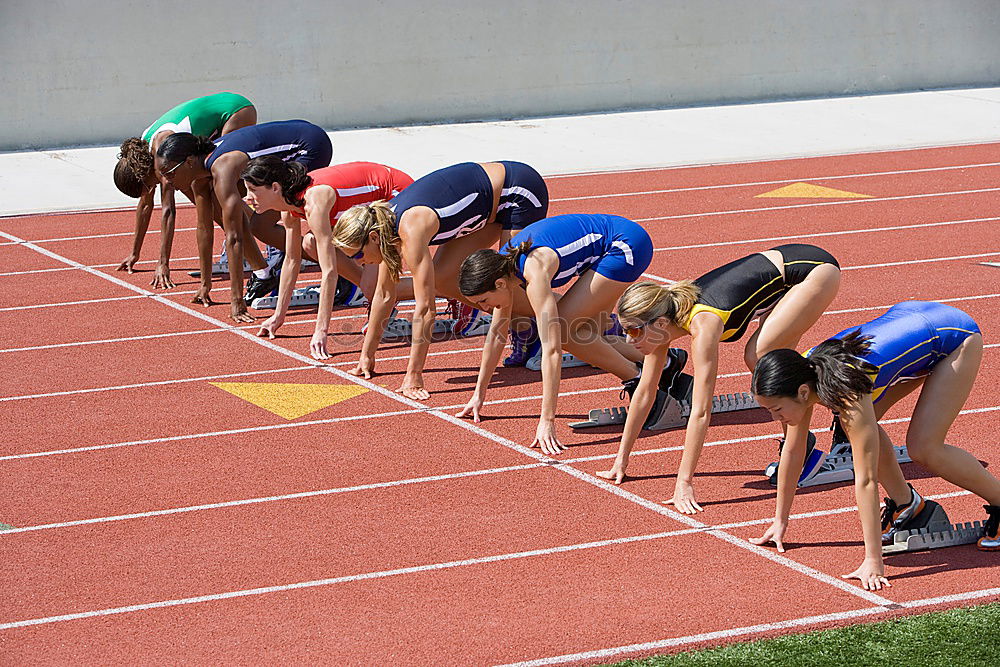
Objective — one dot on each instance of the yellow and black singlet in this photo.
(750, 286)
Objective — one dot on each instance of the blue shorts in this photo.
(629, 254)
(910, 338)
(524, 198)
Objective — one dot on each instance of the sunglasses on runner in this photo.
(172, 169)
(633, 332)
(361, 251)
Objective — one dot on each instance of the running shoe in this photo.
(659, 403)
(465, 316)
(990, 541)
(815, 458)
(524, 344)
(896, 517)
(260, 287)
(670, 375)
(348, 294)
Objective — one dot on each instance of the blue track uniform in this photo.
(462, 197)
(614, 247)
(291, 140)
(910, 339)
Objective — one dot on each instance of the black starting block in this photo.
(933, 530)
(675, 411)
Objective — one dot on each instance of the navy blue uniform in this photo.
(295, 140)
(909, 339)
(462, 197)
(611, 245)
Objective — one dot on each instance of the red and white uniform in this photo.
(357, 183)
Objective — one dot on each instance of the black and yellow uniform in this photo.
(750, 286)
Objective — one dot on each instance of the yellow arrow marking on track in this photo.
(810, 191)
(291, 401)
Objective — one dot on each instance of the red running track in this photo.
(158, 518)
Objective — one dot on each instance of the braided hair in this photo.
(135, 164)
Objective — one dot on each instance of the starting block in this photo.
(222, 269)
(936, 532)
(305, 296)
(568, 361)
(839, 466)
(399, 327)
(675, 413)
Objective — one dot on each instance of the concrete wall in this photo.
(95, 72)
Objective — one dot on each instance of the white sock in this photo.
(262, 273)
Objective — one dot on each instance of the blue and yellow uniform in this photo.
(290, 140)
(611, 245)
(751, 286)
(462, 197)
(909, 340)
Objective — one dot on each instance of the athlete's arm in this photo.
(793, 455)
(382, 301)
(289, 274)
(204, 207)
(319, 202)
(225, 175)
(539, 268)
(416, 228)
(496, 339)
(168, 210)
(143, 213)
(706, 332)
(638, 410)
(861, 427)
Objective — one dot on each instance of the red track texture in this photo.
(159, 519)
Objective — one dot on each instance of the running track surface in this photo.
(157, 518)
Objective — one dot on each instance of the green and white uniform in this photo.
(204, 116)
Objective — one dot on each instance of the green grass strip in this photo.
(964, 636)
(4, 526)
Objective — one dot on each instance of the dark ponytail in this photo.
(835, 370)
(179, 146)
(481, 270)
(135, 163)
(291, 176)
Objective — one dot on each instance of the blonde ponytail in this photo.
(646, 301)
(357, 222)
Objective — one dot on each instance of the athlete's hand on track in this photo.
(871, 573)
(545, 437)
(365, 367)
(128, 263)
(776, 533)
(317, 346)
(161, 278)
(238, 313)
(616, 474)
(413, 388)
(683, 499)
(269, 327)
(473, 407)
(203, 296)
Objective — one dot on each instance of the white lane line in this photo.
(210, 434)
(73, 303)
(156, 383)
(927, 260)
(108, 340)
(271, 499)
(585, 477)
(748, 184)
(813, 235)
(764, 209)
(661, 644)
(76, 266)
(98, 236)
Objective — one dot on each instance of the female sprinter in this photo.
(788, 287)
(460, 209)
(319, 197)
(605, 253)
(213, 172)
(860, 373)
(211, 116)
